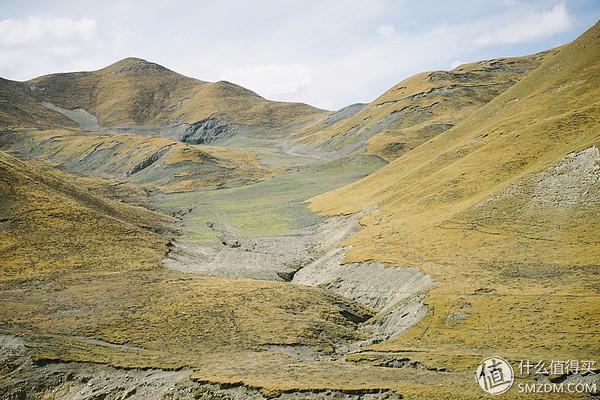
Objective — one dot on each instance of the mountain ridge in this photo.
(419, 107)
(134, 91)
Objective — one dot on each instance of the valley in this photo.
(163, 237)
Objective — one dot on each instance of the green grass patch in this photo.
(270, 207)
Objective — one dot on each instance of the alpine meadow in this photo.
(165, 237)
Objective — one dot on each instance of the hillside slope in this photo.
(503, 211)
(18, 108)
(417, 109)
(158, 163)
(81, 281)
(50, 225)
(84, 300)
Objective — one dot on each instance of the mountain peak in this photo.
(134, 64)
(132, 60)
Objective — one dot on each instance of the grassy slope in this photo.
(137, 92)
(177, 167)
(526, 277)
(75, 266)
(17, 108)
(421, 107)
(50, 226)
(81, 281)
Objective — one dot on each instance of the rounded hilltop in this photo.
(134, 64)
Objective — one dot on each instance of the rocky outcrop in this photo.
(208, 130)
(343, 113)
(148, 161)
(86, 121)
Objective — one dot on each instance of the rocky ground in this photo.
(22, 378)
(314, 257)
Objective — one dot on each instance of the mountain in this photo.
(503, 211)
(141, 95)
(107, 122)
(416, 109)
(273, 258)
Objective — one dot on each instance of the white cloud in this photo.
(531, 27)
(31, 42)
(271, 81)
(385, 30)
(371, 66)
(45, 31)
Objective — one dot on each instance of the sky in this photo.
(325, 53)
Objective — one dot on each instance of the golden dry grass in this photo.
(81, 282)
(17, 108)
(459, 207)
(422, 106)
(137, 92)
(81, 278)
